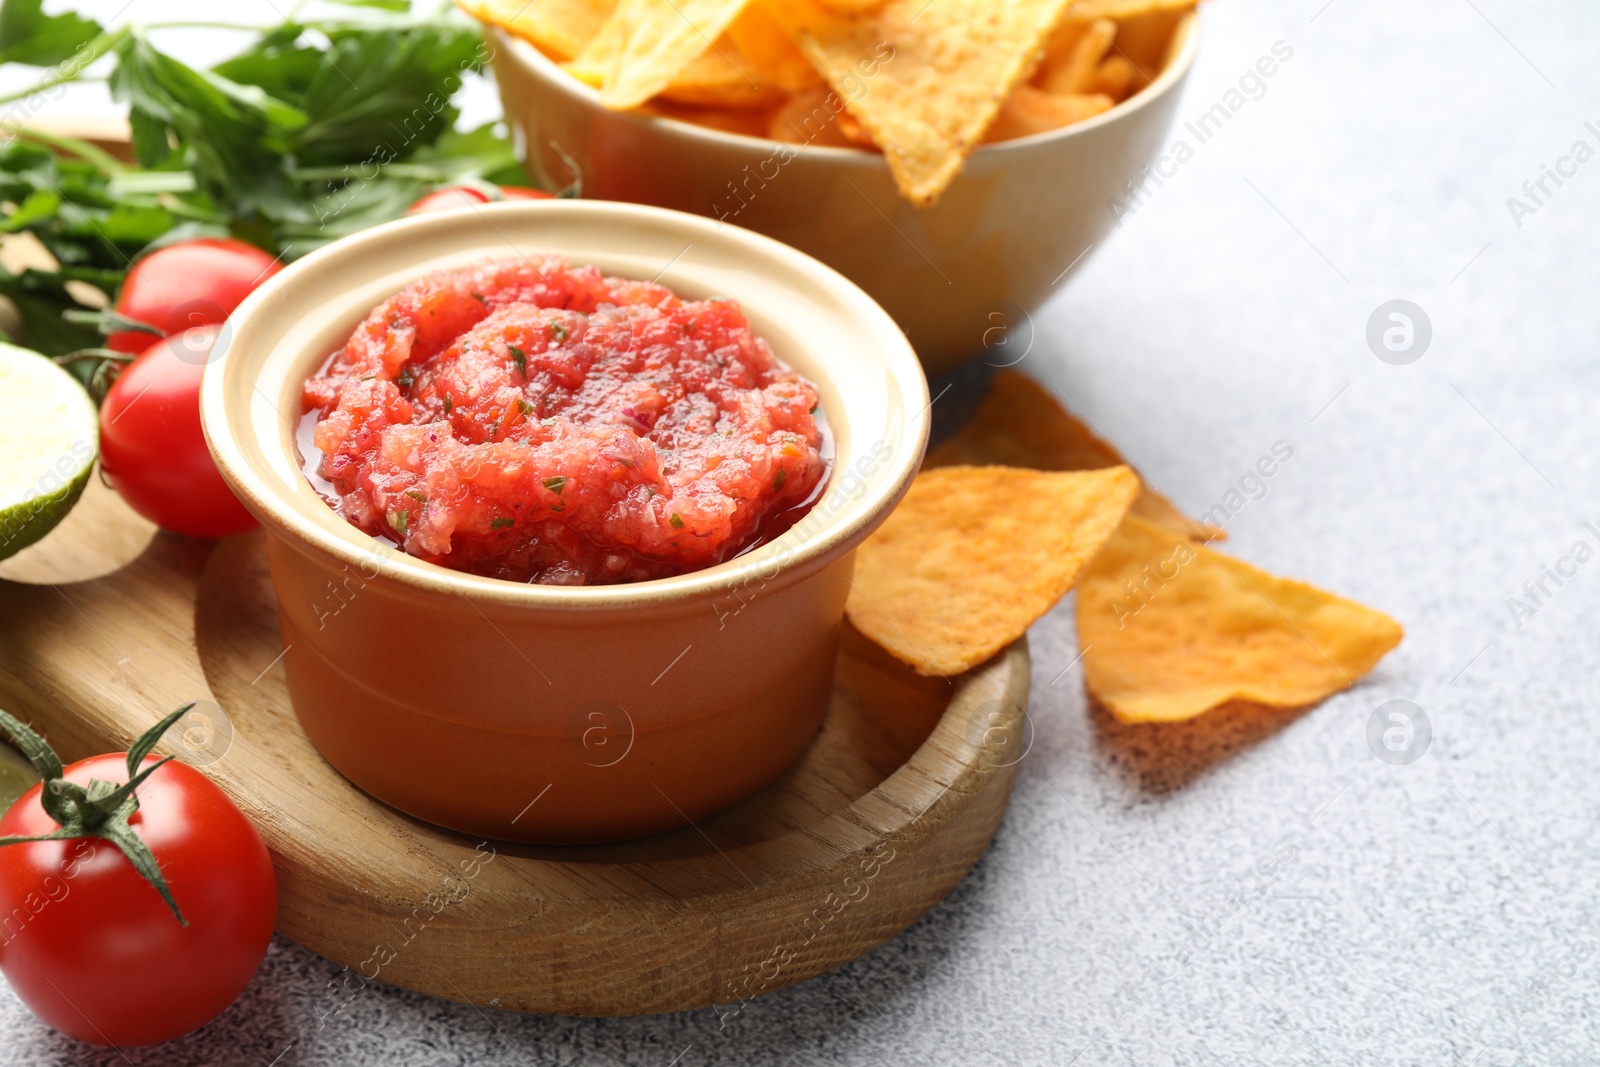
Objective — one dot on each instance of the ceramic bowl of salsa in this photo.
(638, 640)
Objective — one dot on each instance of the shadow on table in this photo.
(1165, 757)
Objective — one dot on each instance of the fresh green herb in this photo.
(479, 298)
(317, 128)
(414, 495)
(677, 522)
(520, 358)
(398, 520)
(407, 375)
(500, 522)
(559, 332)
(778, 479)
(449, 405)
(526, 406)
(29, 36)
(556, 484)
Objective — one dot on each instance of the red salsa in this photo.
(536, 421)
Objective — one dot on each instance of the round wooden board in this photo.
(878, 820)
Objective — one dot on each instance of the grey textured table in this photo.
(1253, 888)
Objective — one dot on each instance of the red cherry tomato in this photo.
(190, 283)
(151, 446)
(89, 945)
(452, 196)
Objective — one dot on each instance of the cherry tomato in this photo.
(151, 446)
(89, 945)
(190, 283)
(451, 196)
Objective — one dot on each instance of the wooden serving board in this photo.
(106, 625)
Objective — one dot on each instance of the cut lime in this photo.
(49, 435)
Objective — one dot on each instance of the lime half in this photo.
(49, 435)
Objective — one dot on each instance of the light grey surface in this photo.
(1257, 889)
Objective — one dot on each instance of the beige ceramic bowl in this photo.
(544, 713)
(1010, 228)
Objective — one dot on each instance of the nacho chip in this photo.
(771, 51)
(1028, 111)
(1149, 40)
(1171, 629)
(1020, 424)
(925, 79)
(855, 133)
(1125, 9)
(722, 77)
(1071, 68)
(973, 555)
(1116, 78)
(655, 42)
(560, 28)
(598, 60)
(1062, 39)
(810, 117)
(745, 122)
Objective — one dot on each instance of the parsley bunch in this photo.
(316, 129)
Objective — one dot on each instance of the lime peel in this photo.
(49, 437)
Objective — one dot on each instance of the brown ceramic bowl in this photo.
(543, 713)
(958, 277)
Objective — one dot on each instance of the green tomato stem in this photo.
(103, 809)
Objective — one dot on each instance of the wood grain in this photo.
(884, 813)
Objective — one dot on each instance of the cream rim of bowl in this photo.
(1181, 53)
(869, 382)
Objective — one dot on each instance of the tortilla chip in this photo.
(745, 122)
(1117, 78)
(1171, 629)
(598, 60)
(722, 77)
(1028, 111)
(771, 51)
(1125, 9)
(560, 28)
(1070, 68)
(1020, 424)
(810, 117)
(925, 79)
(973, 555)
(1149, 39)
(655, 42)
(855, 133)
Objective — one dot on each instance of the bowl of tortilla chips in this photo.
(957, 159)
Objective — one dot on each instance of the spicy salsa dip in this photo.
(536, 421)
